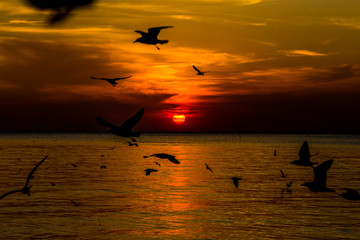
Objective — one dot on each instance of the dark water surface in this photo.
(184, 201)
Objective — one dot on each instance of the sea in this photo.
(179, 201)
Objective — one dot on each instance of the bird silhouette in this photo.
(158, 164)
(304, 155)
(151, 36)
(75, 204)
(207, 167)
(282, 173)
(112, 81)
(53, 184)
(320, 176)
(26, 188)
(289, 184)
(132, 144)
(198, 71)
(275, 153)
(74, 165)
(171, 158)
(350, 194)
(61, 8)
(236, 181)
(103, 167)
(125, 129)
(149, 170)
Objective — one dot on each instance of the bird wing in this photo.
(196, 69)
(351, 191)
(236, 182)
(156, 30)
(304, 152)
(144, 34)
(104, 123)
(131, 122)
(320, 173)
(121, 78)
(11, 192)
(282, 173)
(33, 170)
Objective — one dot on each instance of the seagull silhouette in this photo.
(132, 144)
(275, 153)
(53, 184)
(320, 176)
(198, 71)
(103, 166)
(26, 188)
(112, 81)
(151, 36)
(304, 155)
(125, 129)
(289, 184)
(171, 158)
(282, 173)
(207, 167)
(236, 181)
(158, 164)
(149, 170)
(74, 165)
(350, 194)
(75, 204)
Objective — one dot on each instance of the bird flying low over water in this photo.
(132, 144)
(112, 81)
(158, 164)
(282, 173)
(149, 170)
(26, 189)
(207, 167)
(171, 158)
(125, 129)
(320, 176)
(198, 71)
(304, 156)
(75, 204)
(350, 194)
(151, 36)
(236, 181)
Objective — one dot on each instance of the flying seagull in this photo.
(112, 81)
(350, 194)
(275, 153)
(125, 129)
(320, 175)
(103, 166)
(236, 181)
(282, 173)
(132, 144)
(198, 71)
(304, 155)
(158, 164)
(171, 158)
(61, 8)
(151, 36)
(26, 189)
(207, 167)
(75, 204)
(149, 170)
(74, 165)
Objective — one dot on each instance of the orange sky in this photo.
(274, 66)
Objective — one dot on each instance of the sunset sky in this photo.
(274, 66)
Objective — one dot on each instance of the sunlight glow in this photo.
(179, 118)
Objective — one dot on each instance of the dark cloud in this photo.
(333, 74)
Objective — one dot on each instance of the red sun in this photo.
(179, 118)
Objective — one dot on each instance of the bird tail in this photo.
(163, 41)
(146, 156)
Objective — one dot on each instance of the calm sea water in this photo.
(184, 201)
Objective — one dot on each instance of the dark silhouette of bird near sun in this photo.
(151, 36)
(350, 194)
(149, 170)
(171, 158)
(112, 81)
(73, 164)
(132, 144)
(236, 181)
(61, 8)
(158, 164)
(304, 156)
(320, 176)
(198, 71)
(207, 167)
(125, 129)
(26, 188)
(282, 173)
(75, 204)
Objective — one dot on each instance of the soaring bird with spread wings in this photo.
(320, 176)
(112, 81)
(198, 71)
(151, 36)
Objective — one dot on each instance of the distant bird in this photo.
(320, 176)
(236, 181)
(151, 36)
(149, 170)
(350, 194)
(207, 167)
(112, 81)
(282, 173)
(61, 8)
(26, 189)
(289, 184)
(53, 184)
(74, 165)
(304, 155)
(132, 144)
(75, 204)
(125, 129)
(198, 71)
(103, 167)
(171, 158)
(132, 139)
(275, 153)
(158, 164)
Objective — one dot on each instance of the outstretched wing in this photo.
(131, 122)
(121, 78)
(196, 69)
(156, 30)
(304, 152)
(11, 192)
(320, 173)
(351, 191)
(142, 33)
(33, 170)
(104, 123)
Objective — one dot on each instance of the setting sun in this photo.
(179, 118)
